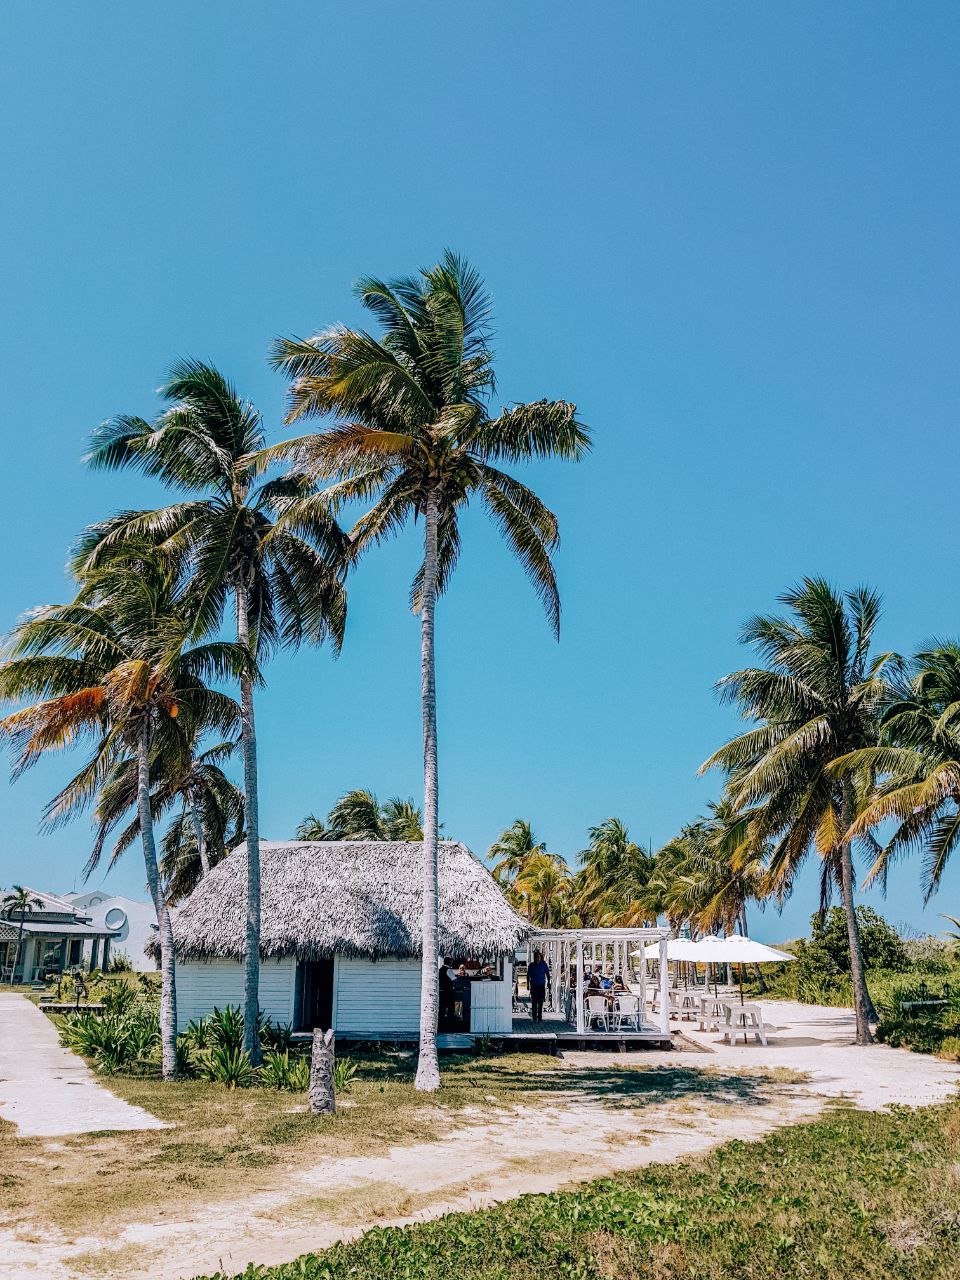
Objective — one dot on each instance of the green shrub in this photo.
(198, 1034)
(119, 998)
(225, 1027)
(115, 1041)
(276, 1035)
(344, 1070)
(281, 1071)
(226, 1064)
(930, 954)
(120, 963)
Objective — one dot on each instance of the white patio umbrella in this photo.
(739, 950)
(677, 949)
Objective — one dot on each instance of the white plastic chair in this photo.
(626, 1010)
(598, 1011)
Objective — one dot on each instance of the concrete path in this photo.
(46, 1090)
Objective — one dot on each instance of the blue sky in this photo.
(729, 233)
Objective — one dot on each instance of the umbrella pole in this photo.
(740, 976)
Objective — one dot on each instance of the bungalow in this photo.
(131, 923)
(56, 935)
(340, 939)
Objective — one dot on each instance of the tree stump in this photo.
(321, 1095)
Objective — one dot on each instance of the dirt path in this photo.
(45, 1089)
(568, 1136)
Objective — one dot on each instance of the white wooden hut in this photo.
(340, 937)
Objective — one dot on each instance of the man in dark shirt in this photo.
(538, 979)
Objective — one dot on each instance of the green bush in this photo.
(119, 998)
(225, 1027)
(906, 1022)
(276, 1035)
(120, 963)
(198, 1034)
(281, 1071)
(344, 1070)
(226, 1064)
(114, 1040)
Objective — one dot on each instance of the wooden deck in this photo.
(554, 1030)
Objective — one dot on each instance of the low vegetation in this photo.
(865, 1194)
(124, 1039)
(226, 1144)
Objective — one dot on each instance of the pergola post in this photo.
(579, 985)
(664, 988)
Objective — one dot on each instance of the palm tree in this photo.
(817, 699)
(313, 828)
(511, 851)
(240, 539)
(359, 815)
(727, 869)
(113, 666)
(414, 433)
(544, 891)
(23, 902)
(918, 759)
(211, 812)
(613, 877)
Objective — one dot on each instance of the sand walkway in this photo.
(570, 1135)
(45, 1090)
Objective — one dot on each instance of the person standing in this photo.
(538, 979)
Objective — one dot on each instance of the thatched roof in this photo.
(358, 898)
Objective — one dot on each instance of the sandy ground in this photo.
(46, 1090)
(568, 1138)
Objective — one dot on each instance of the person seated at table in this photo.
(606, 981)
(593, 987)
(620, 988)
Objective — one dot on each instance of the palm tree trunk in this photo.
(761, 981)
(201, 842)
(862, 1004)
(16, 954)
(428, 1067)
(168, 978)
(251, 987)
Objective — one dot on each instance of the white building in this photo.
(340, 939)
(129, 923)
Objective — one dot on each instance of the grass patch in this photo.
(871, 1195)
(224, 1144)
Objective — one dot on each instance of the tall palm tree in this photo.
(613, 877)
(413, 432)
(22, 902)
(818, 698)
(543, 890)
(211, 811)
(918, 761)
(359, 815)
(512, 849)
(114, 667)
(313, 828)
(240, 540)
(728, 869)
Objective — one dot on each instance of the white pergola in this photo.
(564, 949)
